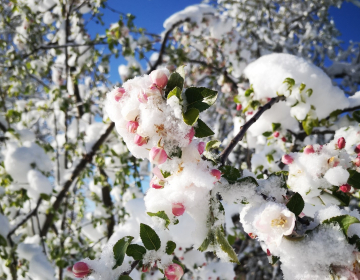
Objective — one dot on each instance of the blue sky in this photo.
(152, 13)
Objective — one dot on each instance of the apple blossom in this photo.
(157, 173)
(139, 140)
(157, 155)
(238, 107)
(274, 221)
(341, 143)
(357, 161)
(178, 209)
(132, 126)
(119, 94)
(174, 272)
(80, 269)
(287, 159)
(159, 78)
(201, 147)
(142, 96)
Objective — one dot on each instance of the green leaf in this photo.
(177, 152)
(355, 239)
(267, 133)
(356, 116)
(2, 241)
(309, 92)
(343, 198)
(212, 145)
(344, 221)
(289, 81)
(136, 251)
(237, 99)
(175, 92)
(161, 215)
(119, 250)
(296, 204)
(354, 179)
(248, 180)
(202, 130)
(149, 238)
(231, 239)
(200, 98)
(248, 92)
(165, 173)
(210, 239)
(274, 259)
(231, 174)
(175, 80)
(191, 116)
(170, 247)
(45, 196)
(275, 126)
(125, 277)
(225, 246)
(309, 123)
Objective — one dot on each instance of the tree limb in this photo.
(225, 153)
(163, 44)
(78, 169)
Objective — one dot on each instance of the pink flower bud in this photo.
(145, 269)
(119, 94)
(216, 173)
(238, 107)
(139, 140)
(357, 161)
(357, 149)
(159, 78)
(287, 159)
(132, 126)
(156, 183)
(252, 235)
(142, 97)
(268, 252)
(276, 134)
(283, 139)
(190, 135)
(201, 147)
(80, 269)
(341, 143)
(174, 272)
(157, 155)
(345, 188)
(178, 209)
(309, 150)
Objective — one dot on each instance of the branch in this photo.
(225, 153)
(108, 204)
(350, 109)
(163, 44)
(11, 232)
(133, 265)
(78, 169)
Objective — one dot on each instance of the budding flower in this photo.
(276, 134)
(341, 143)
(216, 173)
(357, 149)
(309, 149)
(142, 97)
(190, 135)
(159, 78)
(80, 269)
(287, 159)
(283, 139)
(345, 188)
(132, 126)
(357, 161)
(238, 107)
(119, 94)
(157, 155)
(139, 140)
(174, 272)
(178, 209)
(201, 147)
(156, 183)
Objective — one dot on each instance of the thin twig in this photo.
(225, 153)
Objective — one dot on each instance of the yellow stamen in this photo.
(278, 222)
